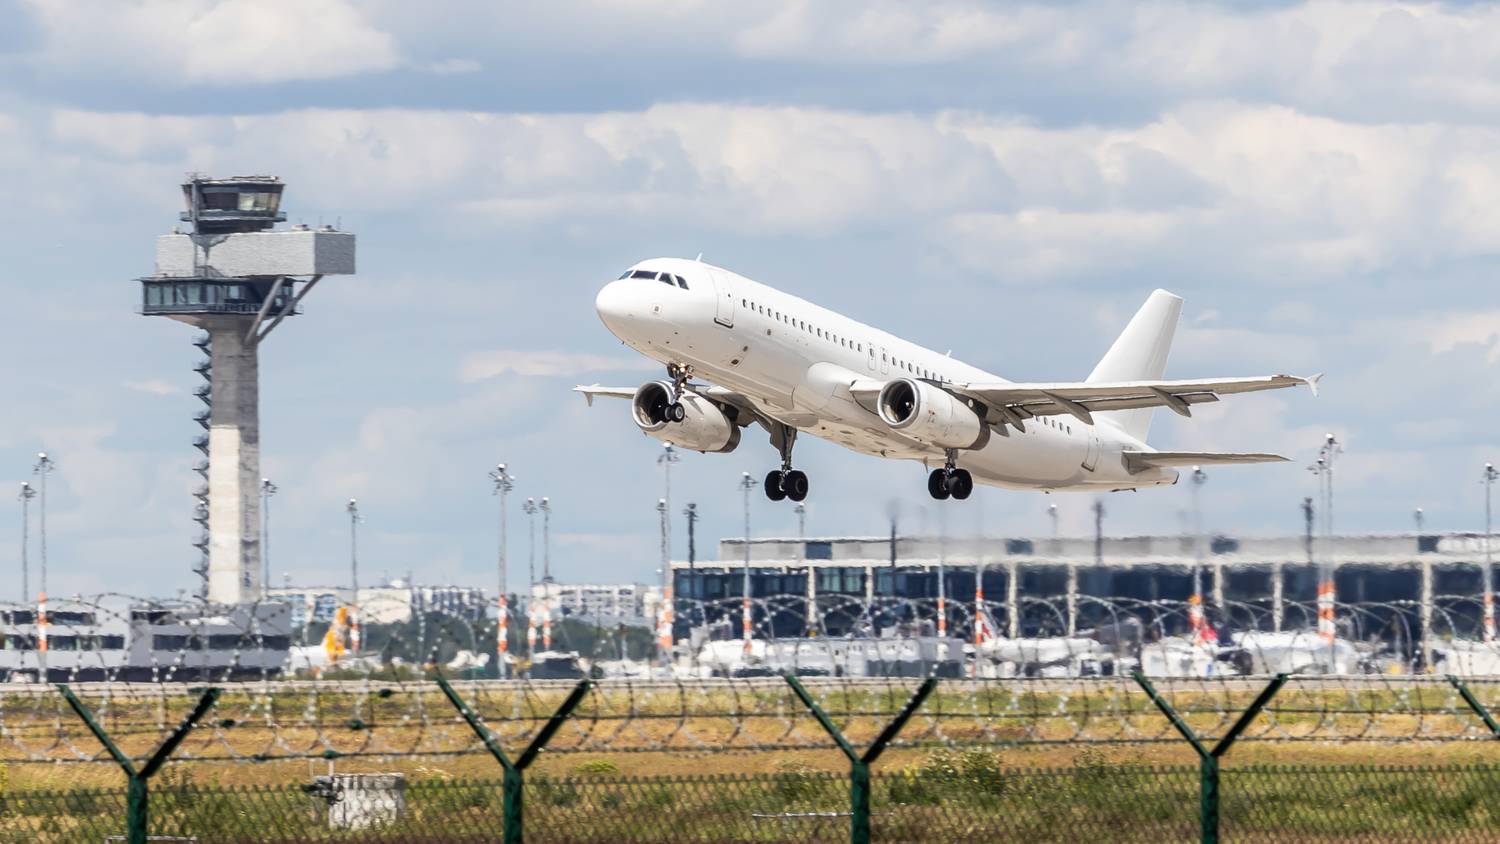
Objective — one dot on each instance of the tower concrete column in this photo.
(234, 567)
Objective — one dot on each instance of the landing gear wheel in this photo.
(676, 412)
(775, 485)
(794, 484)
(960, 484)
(937, 485)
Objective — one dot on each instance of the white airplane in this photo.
(790, 366)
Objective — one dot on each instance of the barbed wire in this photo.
(297, 688)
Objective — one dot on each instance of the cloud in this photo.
(482, 366)
(210, 42)
(1265, 192)
(154, 387)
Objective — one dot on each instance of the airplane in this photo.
(739, 353)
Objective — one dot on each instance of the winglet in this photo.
(588, 396)
(1312, 383)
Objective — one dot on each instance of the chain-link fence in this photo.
(948, 797)
(954, 783)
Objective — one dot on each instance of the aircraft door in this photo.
(885, 360)
(723, 299)
(1091, 459)
(872, 356)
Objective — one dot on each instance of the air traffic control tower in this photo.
(236, 276)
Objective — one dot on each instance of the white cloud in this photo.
(481, 366)
(154, 387)
(217, 42)
(1257, 191)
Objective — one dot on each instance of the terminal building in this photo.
(1042, 586)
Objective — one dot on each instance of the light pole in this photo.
(44, 467)
(1489, 586)
(810, 618)
(747, 484)
(530, 509)
(546, 508)
(503, 482)
(1196, 481)
(665, 460)
(353, 510)
(691, 514)
(1052, 515)
(267, 489)
(1327, 598)
(28, 492)
(664, 613)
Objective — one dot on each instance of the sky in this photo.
(1320, 181)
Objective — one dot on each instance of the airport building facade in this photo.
(1039, 586)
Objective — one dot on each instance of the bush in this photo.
(797, 782)
(595, 767)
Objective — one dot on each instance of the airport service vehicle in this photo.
(739, 353)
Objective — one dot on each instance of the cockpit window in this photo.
(665, 278)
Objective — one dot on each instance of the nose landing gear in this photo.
(680, 376)
(950, 481)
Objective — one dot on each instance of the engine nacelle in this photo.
(931, 415)
(704, 427)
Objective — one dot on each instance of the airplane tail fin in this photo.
(1140, 354)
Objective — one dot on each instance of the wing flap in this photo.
(1138, 461)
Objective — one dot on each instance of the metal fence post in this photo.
(137, 792)
(1479, 709)
(859, 764)
(1208, 758)
(513, 780)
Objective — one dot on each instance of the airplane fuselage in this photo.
(796, 362)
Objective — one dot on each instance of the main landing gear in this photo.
(950, 481)
(785, 482)
(680, 375)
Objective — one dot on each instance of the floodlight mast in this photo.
(666, 613)
(27, 493)
(747, 484)
(235, 276)
(1490, 474)
(504, 482)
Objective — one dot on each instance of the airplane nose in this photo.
(614, 305)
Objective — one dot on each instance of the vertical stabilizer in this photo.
(1140, 354)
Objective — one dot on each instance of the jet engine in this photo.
(703, 426)
(931, 415)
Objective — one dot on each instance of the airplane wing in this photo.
(593, 391)
(1017, 402)
(1136, 461)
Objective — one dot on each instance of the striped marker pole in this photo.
(664, 627)
(745, 623)
(502, 633)
(979, 623)
(1326, 627)
(41, 634)
(1489, 615)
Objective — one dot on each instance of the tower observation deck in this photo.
(236, 276)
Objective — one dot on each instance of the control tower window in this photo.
(259, 201)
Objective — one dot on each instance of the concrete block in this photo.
(292, 252)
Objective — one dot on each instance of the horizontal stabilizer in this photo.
(1138, 461)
